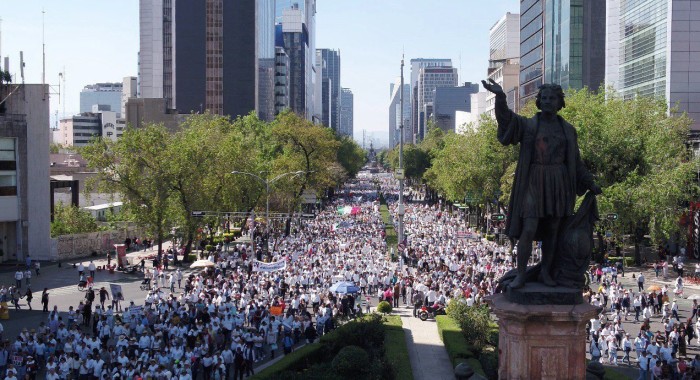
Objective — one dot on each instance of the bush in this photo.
(384, 307)
(351, 362)
(451, 335)
(474, 321)
(489, 362)
(396, 349)
(366, 333)
(629, 261)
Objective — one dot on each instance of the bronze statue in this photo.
(548, 177)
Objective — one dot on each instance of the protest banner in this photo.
(259, 266)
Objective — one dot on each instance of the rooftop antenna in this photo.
(43, 52)
(21, 65)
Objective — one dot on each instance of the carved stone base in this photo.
(541, 341)
(536, 293)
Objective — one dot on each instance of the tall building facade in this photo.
(416, 65)
(653, 48)
(430, 78)
(24, 175)
(109, 94)
(561, 42)
(504, 59)
(208, 55)
(347, 112)
(395, 113)
(281, 80)
(331, 72)
(449, 100)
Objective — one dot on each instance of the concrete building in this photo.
(395, 113)
(430, 78)
(347, 112)
(504, 59)
(449, 100)
(24, 174)
(331, 72)
(109, 94)
(143, 111)
(129, 90)
(80, 130)
(416, 65)
(296, 42)
(653, 50)
(210, 55)
(470, 119)
(561, 42)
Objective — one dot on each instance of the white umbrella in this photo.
(694, 297)
(202, 264)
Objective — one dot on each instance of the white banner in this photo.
(259, 266)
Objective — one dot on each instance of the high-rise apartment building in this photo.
(281, 80)
(504, 59)
(395, 113)
(416, 65)
(129, 90)
(331, 71)
(653, 48)
(211, 55)
(109, 94)
(297, 41)
(347, 110)
(430, 78)
(561, 42)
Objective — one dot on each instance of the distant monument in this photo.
(542, 315)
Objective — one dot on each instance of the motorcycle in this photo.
(430, 312)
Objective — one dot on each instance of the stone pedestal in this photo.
(541, 341)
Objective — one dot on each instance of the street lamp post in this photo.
(402, 211)
(267, 182)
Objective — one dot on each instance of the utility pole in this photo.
(402, 210)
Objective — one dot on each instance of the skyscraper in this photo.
(653, 48)
(208, 55)
(504, 59)
(430, 78)
(416, 65)
(395, 113)
(347, 110)
(331, 72)
(561, 42)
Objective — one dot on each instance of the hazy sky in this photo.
(97, 41)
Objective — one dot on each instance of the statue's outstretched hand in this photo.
(492, 86)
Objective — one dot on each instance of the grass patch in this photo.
(391, 238)
(396, 349)
(457, 347)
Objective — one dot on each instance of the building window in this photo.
(8, 167)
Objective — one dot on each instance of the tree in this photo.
(136, 166)
(350, 156)
(71, 220)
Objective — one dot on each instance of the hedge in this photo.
(457, 347)
(396, 348)
(391, 238)
(297, 359)
(629, 261)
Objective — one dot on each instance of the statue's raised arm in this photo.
(509, 123)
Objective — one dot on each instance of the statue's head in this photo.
(551, 89)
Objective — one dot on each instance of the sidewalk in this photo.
(429, 359)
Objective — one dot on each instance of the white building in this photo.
(504, 59)
(80, 130)
(464, 120)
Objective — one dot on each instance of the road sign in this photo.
(612, 216)
(198, 214)
(399, 174)
(608, 234)
(498, 217)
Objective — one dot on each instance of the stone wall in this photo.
(82, 245)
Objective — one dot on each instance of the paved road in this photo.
(632, 327)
